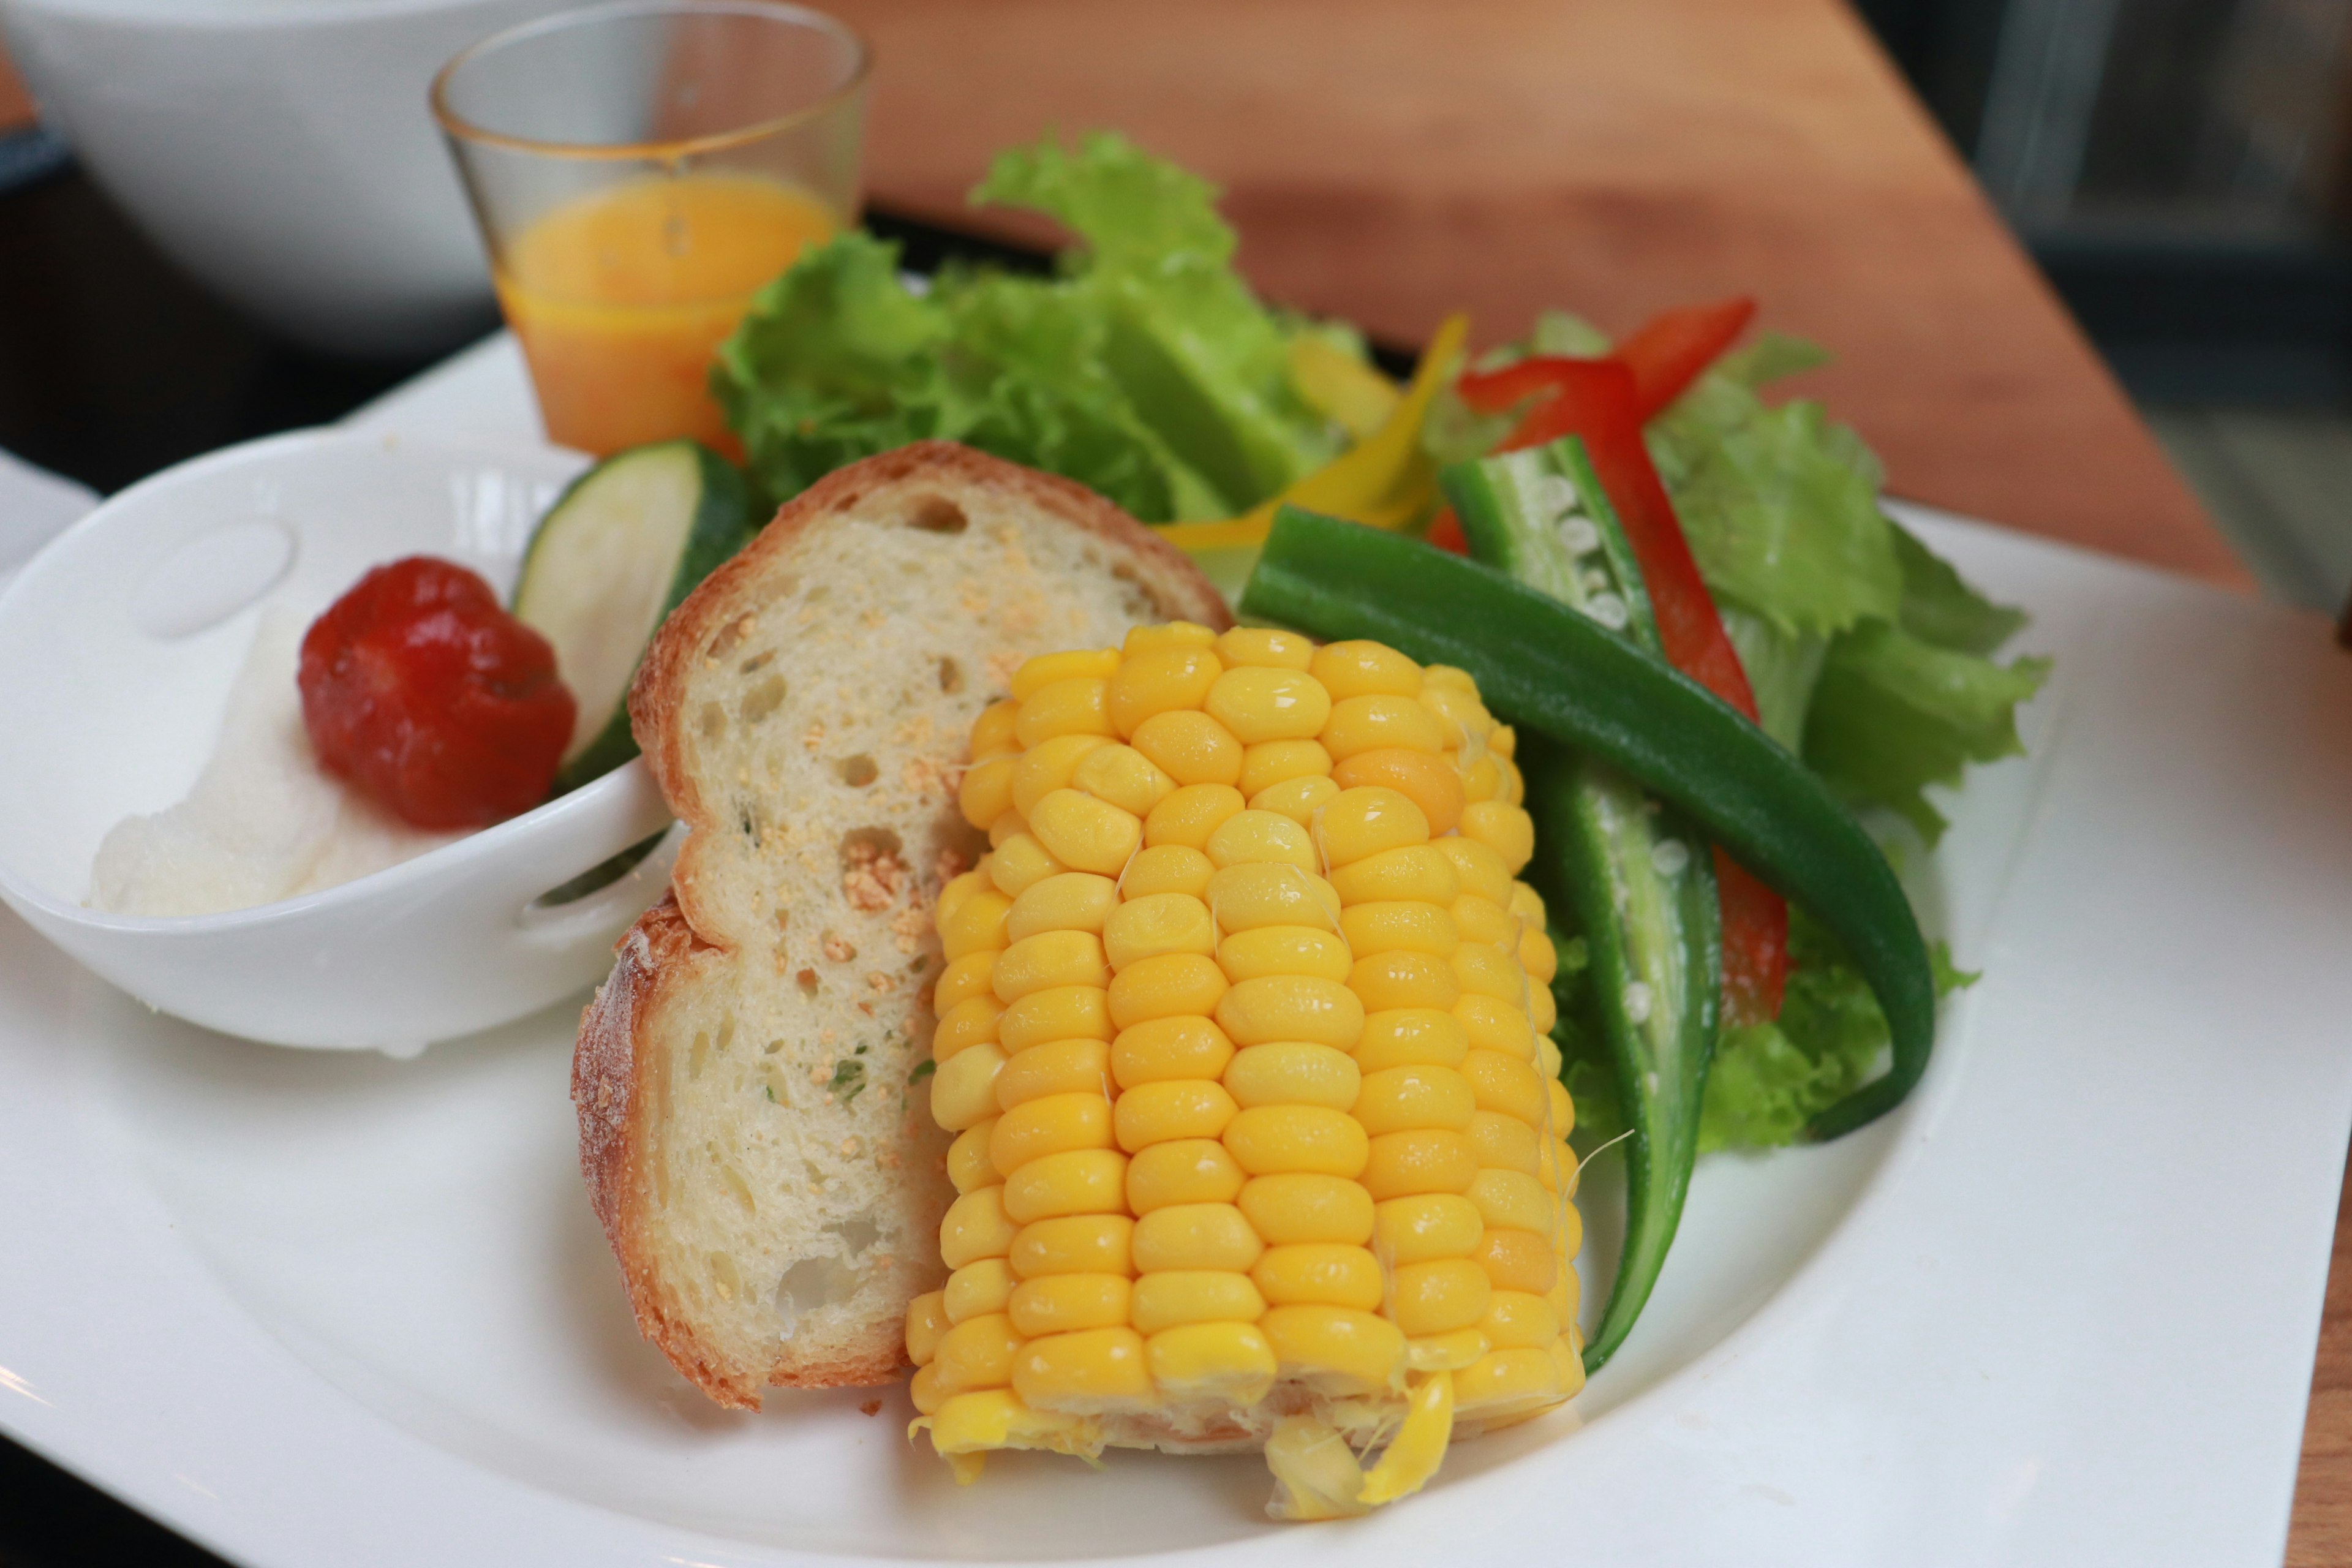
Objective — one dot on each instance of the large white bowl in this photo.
(121, 642)
(280, 149)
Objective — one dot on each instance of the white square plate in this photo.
(2060, 1309)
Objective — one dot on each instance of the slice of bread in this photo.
(754, 1125)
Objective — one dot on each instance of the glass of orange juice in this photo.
(639, 171)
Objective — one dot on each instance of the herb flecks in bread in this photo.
(752, 1080)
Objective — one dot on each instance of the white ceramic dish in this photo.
(2059, 1310)
(280, 149)
(122, 639)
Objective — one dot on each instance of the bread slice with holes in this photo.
(754, 1124)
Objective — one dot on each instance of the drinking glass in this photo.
(639, 170)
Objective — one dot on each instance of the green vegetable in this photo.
(1641, 881)
(1549, 670)
(615, 554)
(1147, 370)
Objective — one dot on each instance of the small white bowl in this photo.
(119, 644)
(280, 149)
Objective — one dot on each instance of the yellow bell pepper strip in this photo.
(1383, 482)
(1341, 387)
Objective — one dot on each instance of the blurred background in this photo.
(2177, 168)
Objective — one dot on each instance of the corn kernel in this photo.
(1056, 1013)
(1561, 1110)
(1166, 869)
(977, 926)
(1156, 923)
(1504, 828)
(967, 977)
(926, 1320)
(1273, 1139)
(1298, 799)
(1517, 1320)
(1291, 1008)
(1256, 704)
(1420, 873)
(1270, 763)
(969, 1165)
(1387, 980)
(1070, 901)
(1543, 1009)
(1086, 834)
(1061, 1303)
(1293, 1072)
(1245, 898)
(1191, 815)
(1232, 1361)
(1180, 1107)
(1513, 1200)
(1430, 1225)
(1071, 707)
(963, 1091)
(1077, 1244)
(1082, 1372)
(1195, 1236)
(1170, 985)
(1483, 920)
(1502, 1083)
(1569, 1237)
(1050, 961)
(1482, 779)
(1555, 1162)
(1183, 1046)
(1321, 1273)
(976, 1353)
(1399, 1100)
(1020, 863)
(972, 1424)
(1123, 777)
(1491, 1023)
(1337, 1348)
(1517, 1260)
(1077, 1181)
(1402, 1035)
(1262, 838)
(1046, 669)
(1506, 1143)
(1486, 971)
(1164, 680)
(971, 1021)
(992, 732)
(1043, 769)
(1370, 723)
(923, 1392)
(1183, 1171)
(1009, 826)
(1265, 647)
(975, 1290)
(1424, 778)
(1396, 925)
(1359, 822)
(1169, 634)
(1510, 1377)
(1442, 1295)
(1191, 747)
(1504, 740)
(1363, 668)
(1051, 1125)
(1549, 1061)
(1174, 1297)
(1420, 1160)
(976, 1228)
(1513, 790)
(1457, 708)
(986, 792)
(1480, 869)
(1446, 1353)
(1296, 1207)
(1279, 950)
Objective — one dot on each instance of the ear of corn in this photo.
(1245, 1039)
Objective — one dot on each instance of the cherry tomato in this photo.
(422, 692)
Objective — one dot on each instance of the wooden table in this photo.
(1389, 161)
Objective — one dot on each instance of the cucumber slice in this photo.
(607, 564)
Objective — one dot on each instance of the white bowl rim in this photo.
(233, 16)
(376, 883)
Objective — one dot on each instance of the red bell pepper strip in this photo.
(1596, 400)
(1445, 533)
(1675, 346)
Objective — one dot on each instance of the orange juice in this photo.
(622, 297)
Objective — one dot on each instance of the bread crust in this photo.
(615, 1061)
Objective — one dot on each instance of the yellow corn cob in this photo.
(1245, 1039)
